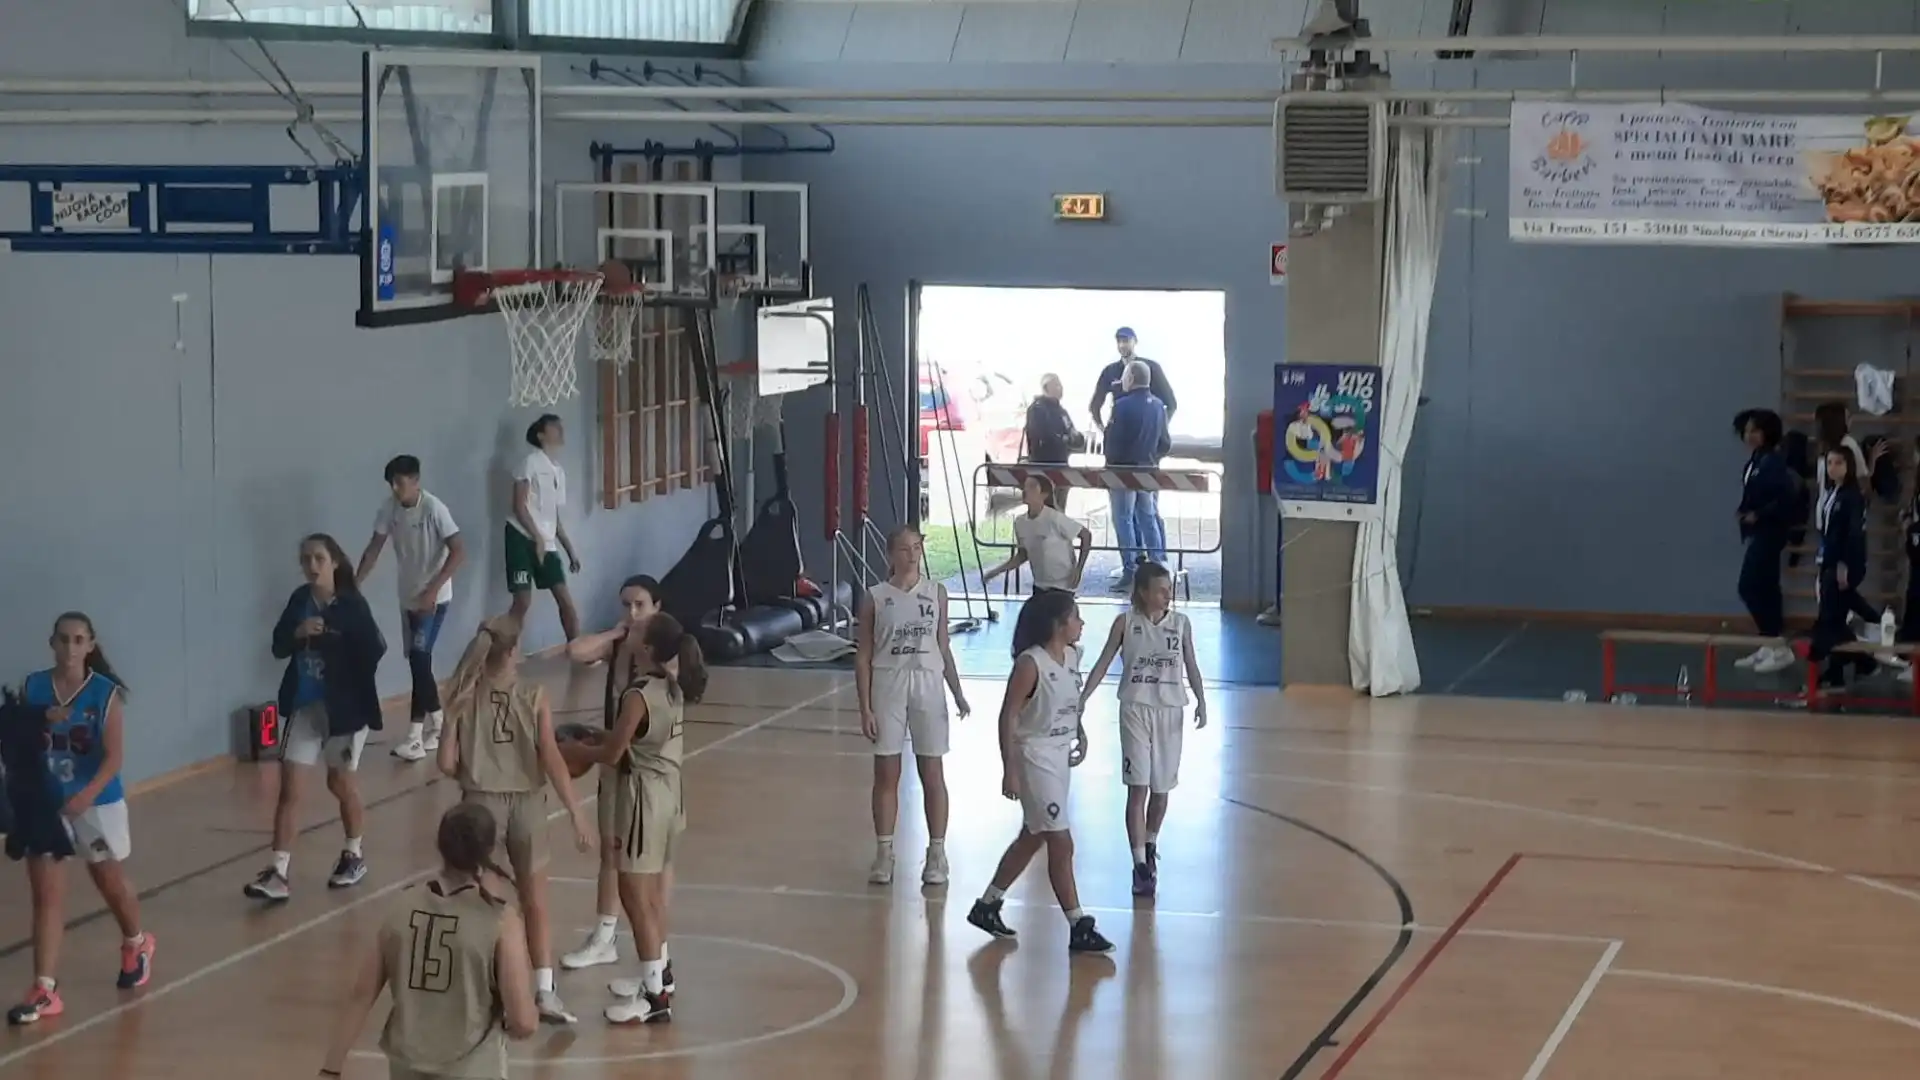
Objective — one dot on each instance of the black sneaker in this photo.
(986, 916)
(1085, 939)
(348, 872)
(1142, 879)
(268, 885)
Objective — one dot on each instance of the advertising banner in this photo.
(1680, 174)
(1326, 461)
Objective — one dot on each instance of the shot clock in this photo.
(263, 731)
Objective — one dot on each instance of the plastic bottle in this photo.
(1683, 687)
(1889, 629)
(1574, 697)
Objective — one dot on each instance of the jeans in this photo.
(1760, 584)
(1137, 526)
(422, 629)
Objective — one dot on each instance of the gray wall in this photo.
(163, 487)
(1575, 455)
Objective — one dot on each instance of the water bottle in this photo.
(1682, 687)
(1888, 628)
(1574, 697)
(1626, 699)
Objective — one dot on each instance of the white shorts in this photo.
(102, 833)
(1150, 746)
(307, 742)
(1045, 778)
(910, 704)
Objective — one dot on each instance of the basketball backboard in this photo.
(665, 233)
(452, 143)
(794, 345)
(763, 235)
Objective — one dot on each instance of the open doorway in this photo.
(981, 354)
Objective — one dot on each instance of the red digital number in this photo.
(270, 726)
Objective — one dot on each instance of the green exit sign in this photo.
(1087, 207)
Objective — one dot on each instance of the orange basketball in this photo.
(578, 746)
(614, 275)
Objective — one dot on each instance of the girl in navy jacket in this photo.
(1770, 502)
(1842, 517)
(328, 701)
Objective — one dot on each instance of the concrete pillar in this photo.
(1334, 283)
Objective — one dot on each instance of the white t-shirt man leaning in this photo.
(427, 551)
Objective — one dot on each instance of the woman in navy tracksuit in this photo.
(1769, 504)
(1842, 517)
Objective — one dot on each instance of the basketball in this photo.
(614, 276)
(577, 743)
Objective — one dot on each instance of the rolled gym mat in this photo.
(720, 641)
(766, 627)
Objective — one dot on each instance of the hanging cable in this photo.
(304, 114)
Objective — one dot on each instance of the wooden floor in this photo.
(1425, 888)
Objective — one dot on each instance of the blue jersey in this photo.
(311, 688)
(77, 746)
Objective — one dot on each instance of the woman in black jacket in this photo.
(1842, 517)
(1769, 501)
(328, 702)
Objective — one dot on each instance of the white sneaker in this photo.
(882, 872)
(552, 1009)
(410, 750)
(935, 871)
(592, 952)
(643, 1009)
(1753, 658)
(430, 740)
(1778, 658)
(1892, 660)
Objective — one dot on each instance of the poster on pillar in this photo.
(1671, 173)
(1326, 466)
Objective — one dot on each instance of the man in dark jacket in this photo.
(1124, 341)
(1137, 438)
(1770, 506)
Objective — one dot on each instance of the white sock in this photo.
(353, 846)
(1074, 915)
(282, 862)
(1139, 856)
(413, 731)
(436, 718)
(992, 895)
(609, 925)
(937, 846)
(1153, 837)
(664, 958)
(46, 983)
(653, 975)
(886, 845)
(543, 980)
(138, 940)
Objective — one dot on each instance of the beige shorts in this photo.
(649, 819)
(606, 798)
(522, 819)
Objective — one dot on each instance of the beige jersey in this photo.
(653, 758)
(500, 738)
(438, 949)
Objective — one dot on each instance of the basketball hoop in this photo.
(615, 311)
(730, 289)
(544, 311)
(747, 408)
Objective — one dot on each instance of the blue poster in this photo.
(1326, 460)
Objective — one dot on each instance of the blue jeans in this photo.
(1137, 526)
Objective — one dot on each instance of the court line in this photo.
(1691, 864)
(1597, 822)
(1420, 968)
(1588, 744)
(1324, 1038)
(876, 897)
(1574, 1009)
(63, 1034)
(1778, 991)
(1476, 666)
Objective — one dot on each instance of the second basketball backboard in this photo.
(763, 235)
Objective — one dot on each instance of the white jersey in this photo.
(906, 627)
(1052, 714)
(1153, 659)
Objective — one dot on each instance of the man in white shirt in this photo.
(428, 550)
(535, 537)
(1046, 538)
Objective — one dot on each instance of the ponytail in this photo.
(693, 669)
(666, 641)
(96, 661)
(466, 839)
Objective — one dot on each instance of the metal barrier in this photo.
(1187, 534)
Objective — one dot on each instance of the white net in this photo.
(543, 320)
(614, 316)
(748, 410)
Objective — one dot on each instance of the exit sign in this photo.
(1091, 207)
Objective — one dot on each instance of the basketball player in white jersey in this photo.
(454, 959)
(903, 656)
(1155, 645)
(1041, 739)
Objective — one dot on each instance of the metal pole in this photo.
(1613, 43)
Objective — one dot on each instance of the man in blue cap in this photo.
(1108, 384)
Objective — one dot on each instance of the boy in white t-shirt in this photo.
(1046, 539)
(535, 537)
(428, 549)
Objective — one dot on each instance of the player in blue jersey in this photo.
(81, 698)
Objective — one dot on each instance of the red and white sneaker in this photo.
(41, 1002)
(136, 963)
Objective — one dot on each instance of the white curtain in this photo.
(1380, 653)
